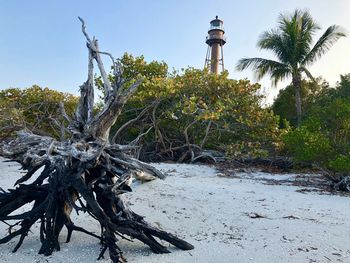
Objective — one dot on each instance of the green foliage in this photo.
(134, 66)
(341, 163)
(284, 104)
(307, 146)
(34, 108)
(215, 112)
(324, 137)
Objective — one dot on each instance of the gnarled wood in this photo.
(85, 166)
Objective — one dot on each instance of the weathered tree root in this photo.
(85, 173)
(99, 181)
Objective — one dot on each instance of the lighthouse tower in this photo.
(215, 41)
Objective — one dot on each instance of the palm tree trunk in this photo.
(297, 89)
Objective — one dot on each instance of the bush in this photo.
(284, 104)
(324, 137)
(340, 163)
(196, 110)
(307, 146)
(35, 108)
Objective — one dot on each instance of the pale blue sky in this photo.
(41, 42)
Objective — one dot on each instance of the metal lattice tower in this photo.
(215, 41)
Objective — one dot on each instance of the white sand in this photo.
(212, 213)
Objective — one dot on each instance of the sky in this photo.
(41, 41)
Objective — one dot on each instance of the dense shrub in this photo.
(284, 104)
(307, 146)
(35, 109)
(196, 110)
(324, 137)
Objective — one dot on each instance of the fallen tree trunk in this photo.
(84, 172)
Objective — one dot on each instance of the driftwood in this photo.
(84, 172)
(339, 181)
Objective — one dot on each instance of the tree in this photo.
(283, 105)
(291, 43)
(323, 138)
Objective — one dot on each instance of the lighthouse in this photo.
(215, 41)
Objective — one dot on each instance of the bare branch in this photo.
(186, 132)
(206, 134)
(83, 28)
(93, 46)
(137, 139)
(130, 122)
(63, 112)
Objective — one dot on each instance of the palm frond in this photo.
(291, 42)
(307, 73)
(306, 29)
(297, 31)
(273, 40)
(325, 42)
(280, 74)
(262, 66)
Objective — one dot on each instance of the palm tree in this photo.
(291, 43)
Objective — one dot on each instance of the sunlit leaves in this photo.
(34, 108)
(232, 107)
